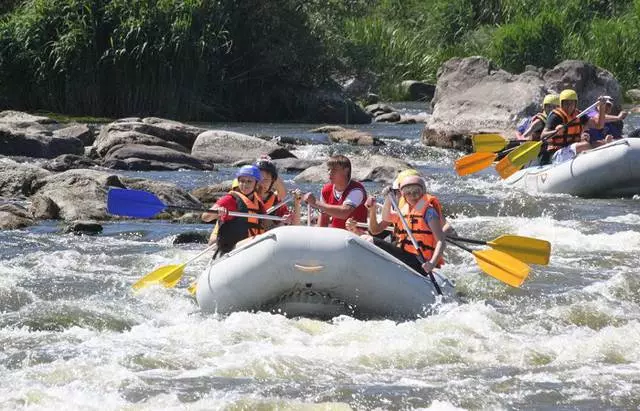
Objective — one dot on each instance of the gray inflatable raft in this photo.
(318, 273)
(612, 170)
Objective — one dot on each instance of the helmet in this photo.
(568, 94)
(249, 171)
(234, 183)
(406, 173)
(552, 99)
(413, 180)
(268, 166)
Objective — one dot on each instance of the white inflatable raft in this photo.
(612, 170)
(315, 272)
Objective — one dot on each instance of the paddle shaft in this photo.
(419, 256)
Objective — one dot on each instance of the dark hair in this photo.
(340, 161)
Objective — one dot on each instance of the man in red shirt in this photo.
(342, 197)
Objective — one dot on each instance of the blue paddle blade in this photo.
(133, 203)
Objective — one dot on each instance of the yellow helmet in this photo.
(235, 183)
(552, 99)
(406, 173)
(568, 94)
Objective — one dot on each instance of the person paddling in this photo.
(565, 132)
(244, 198)
(423, 214)
(533, 132)
(611, 130)
(342, 197)
(271, 190)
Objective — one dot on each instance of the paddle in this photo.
(499, 265)
(488, 143)
(473, 163)
(525, 153)
(419, 256)
(170, 275)
(143, 204)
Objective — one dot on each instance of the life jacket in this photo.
(271, 200)
(571, 135)
(419, 228)
(360, 212)
(232, 231)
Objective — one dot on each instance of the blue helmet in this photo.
(249, 171)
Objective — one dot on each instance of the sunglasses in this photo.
(412, 190)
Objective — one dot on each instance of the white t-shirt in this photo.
(564, 154)
(354, 199)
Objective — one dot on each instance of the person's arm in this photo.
(536, 126)
(552, 127)
(375, 227)
(433, 220)
(388, 214)
(220, 209)
(343, 211)
(596, 122)
(297, 198)
(608, 118)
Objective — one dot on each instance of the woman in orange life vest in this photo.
(423, 214)
(271, 190)
(550, 103)
(565, 133)
(342, 197)
(244, 199)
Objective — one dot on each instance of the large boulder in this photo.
(355, 137)
(67, 162)
(376, 168)
(82, 194)
(35, 142)
(82, 132)
(220, 146)
(633, 95)
(586, 79)
(412, 90)
(13, 216)
(138, 132)
(183, 133)
(333, 108)
(21, 119)
(142, 157)
(19, 180)
(473, 95)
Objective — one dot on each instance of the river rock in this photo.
(635, 133)
(19, 117)
(412, 90)
(587, 80)
(392, 117)
(81, 194)
(143, 158)
(332, 108)
(13, 216)
(326, 129)
(473, 95)
(140, 133)
(279, 153)
(83, 227)
(67, 162)
(633, 95)
(43, 208)
(18, 179)
(80, 131)
(183, 133)
(210, 194)
(355, 137)
(36, 142)
(292, 165)
(380, 108)
(198, 237)
(376, 168)
(222, 146)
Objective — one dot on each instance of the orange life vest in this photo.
(419, 227)
(272, 199)
(229, 233)
(571, 135)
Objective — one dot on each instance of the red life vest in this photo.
(231, 232)
(359, 213)
(419, 227)
(571, 135)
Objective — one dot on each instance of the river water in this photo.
(74, 336)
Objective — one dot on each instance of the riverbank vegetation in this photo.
(257, 60)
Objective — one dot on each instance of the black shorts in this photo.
(406, 257)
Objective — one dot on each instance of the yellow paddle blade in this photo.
(516, 159)
(527, 249)
(474, 162)
(168, 274)
(488, 143)
(193, 287)
(502, 266)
